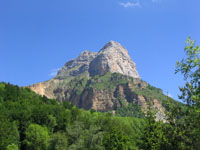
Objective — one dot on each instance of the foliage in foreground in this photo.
(31, 122)
(182, 129)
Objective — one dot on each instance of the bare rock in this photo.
(113, 58)
(76, 66)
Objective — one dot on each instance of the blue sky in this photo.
(38, 36)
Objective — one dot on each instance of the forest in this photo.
(32, 122)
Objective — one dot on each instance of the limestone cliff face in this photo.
(76, 66)
(123, 94)
(103, 81)
(113, 58)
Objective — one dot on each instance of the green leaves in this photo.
(132, 110)
(12, 147)
(58, 141)
(152, 134)
(36, 137)
(9, 133)
(31, 122)
(190, 68)
(116, 140)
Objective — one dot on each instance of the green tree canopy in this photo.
(190, 68)
(36, 137)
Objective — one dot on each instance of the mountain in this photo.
(103, 81)
(111, 58)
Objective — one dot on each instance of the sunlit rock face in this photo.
(113, 58)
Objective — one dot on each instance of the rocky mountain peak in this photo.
(76, 66)
(113, 46)
(113, 57)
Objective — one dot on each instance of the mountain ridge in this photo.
(104, 81)
(113, 57)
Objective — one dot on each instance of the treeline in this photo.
(31, 122)
(181, 131)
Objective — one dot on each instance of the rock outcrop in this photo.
(113, 58)
(76, 66)
(103, 81)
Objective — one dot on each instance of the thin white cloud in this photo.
(130, 4)
(53, 72)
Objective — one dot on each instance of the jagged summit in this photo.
(113, 57)
(114, 45)
(111, 44)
